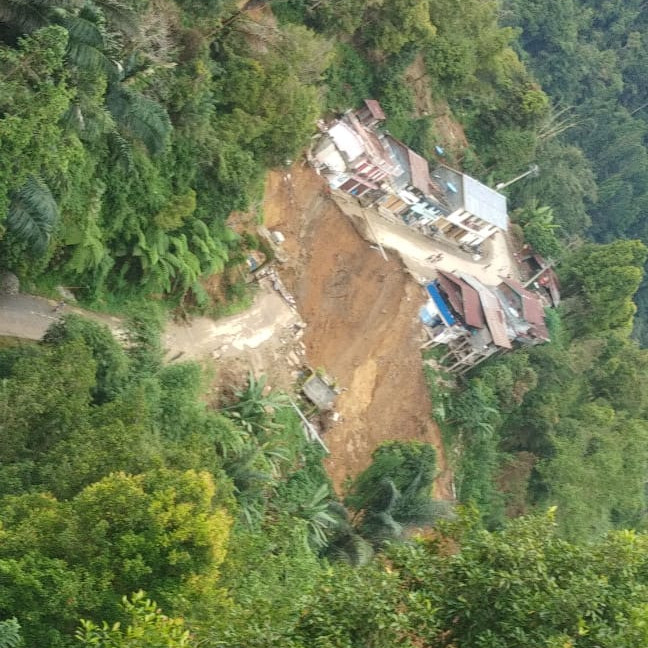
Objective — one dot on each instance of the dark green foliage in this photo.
(90, 509)
(403, 463)
(33, 96)
(525, 586)
(33, 215)
(395, 492)
(539, 229)
(354, 608)
(349, 79)
(23, 16)
(603, 279)
(587, 55)
(143, 329)
(139, 117)
(474, 417)
(145, 149)
(110, 358)
(565, 183)
(144, 126)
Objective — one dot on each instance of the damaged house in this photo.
(476, 321)
(356, 157)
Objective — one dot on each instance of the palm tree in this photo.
(26, 16)
(33, 214)
(139, 117)
(252, 474)
(395, 492)
(393, 512)
(323, 515)
(347, 545)
(87, 40)
(253, 408)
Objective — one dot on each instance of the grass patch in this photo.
(240, 299)
(8, 342)
(440, 385)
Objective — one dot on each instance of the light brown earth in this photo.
(451, 135)
(362, 324)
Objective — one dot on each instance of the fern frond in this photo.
(123, 149)
(29, 15)
(120, 15)
(10, 633)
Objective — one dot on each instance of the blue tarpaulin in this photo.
(440, 303)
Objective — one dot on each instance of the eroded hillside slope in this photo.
(362, 317)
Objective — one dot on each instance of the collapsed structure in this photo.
(355, 156)
(476, 321)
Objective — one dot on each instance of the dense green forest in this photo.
(565, 423)
(137, 510)
(135, 513)
(589, 56)
(131, 132)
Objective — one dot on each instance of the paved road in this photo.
(28, 317)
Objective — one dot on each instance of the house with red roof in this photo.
(356, 157)
(476, 321)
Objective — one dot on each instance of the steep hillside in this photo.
(362, 324)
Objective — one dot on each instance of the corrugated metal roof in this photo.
(484, 202)
(420, 171)
(554, 287)
(492, 308)
(415, 168)
(532, 309)
(463, 298)
(375, 109)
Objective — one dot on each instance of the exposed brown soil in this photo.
(450, 132)
(362, 327)
(362, 324)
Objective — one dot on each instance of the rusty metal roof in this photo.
(375, 109)
(492, 308)
(463, 297)
(532, 309)
(414, 166)
(420, 171)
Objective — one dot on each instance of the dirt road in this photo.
(415, 248)
(264, 339)
(264, 336)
